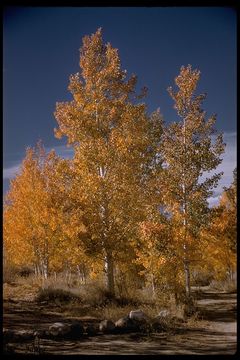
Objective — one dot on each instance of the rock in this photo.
(25, 334)
(17, 335)
(39, 333)
(106, 326)
(76, 330)
(59, 329)
(92, 329)
(164, 313)
(157, 325)
(138, 315)
(125, 324)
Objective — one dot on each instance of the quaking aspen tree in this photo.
(114, 145)
(188, 151)
(220, 236)
(39, 224)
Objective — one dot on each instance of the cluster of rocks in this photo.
(135, 321)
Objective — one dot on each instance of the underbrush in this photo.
(9, 274)
(201, 277)
(93, 299)
(229, 286)
(56, 295)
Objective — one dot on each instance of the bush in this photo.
(56, 295)
(229, 286)
(96, 294)
(25, 271)
(201, 278)
(9, 274)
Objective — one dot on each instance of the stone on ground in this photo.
(59, 329)
(106, 326)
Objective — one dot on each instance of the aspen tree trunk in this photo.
(186, 261)
(187, 278)
(37, 270)
(81, 274)
(153, 286)
(45, 268)
(45, 261)
(110, 274)
(104, 213)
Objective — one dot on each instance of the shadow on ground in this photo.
(218, 338)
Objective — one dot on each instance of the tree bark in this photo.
(187, 278)
(37, 270)
(110, 273)
(186, 261)
(45, 268)
(153, 286)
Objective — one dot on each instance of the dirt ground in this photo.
(214, 335)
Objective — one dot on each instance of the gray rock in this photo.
(59, 329)
(25, 334)
(106, 326)
(164, 313)
(92, 329)
(126, 324)
(39, 333)
(138, 315)
(122, 323)
(76, 330)
(17, 335)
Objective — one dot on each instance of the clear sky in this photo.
(41, 49)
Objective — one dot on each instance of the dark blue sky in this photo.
(41, 49)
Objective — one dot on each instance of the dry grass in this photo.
(18, 292)
(228, 286)
(93, 299)
(56, 295)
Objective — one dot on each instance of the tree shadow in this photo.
(212, 307)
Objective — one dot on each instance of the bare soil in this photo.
(214, 334)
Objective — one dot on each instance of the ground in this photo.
(214, 334)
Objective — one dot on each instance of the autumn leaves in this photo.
(101, 208)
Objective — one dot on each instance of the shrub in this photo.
(56, 295)
(201, 278)
(25, 271)
(229, 286)
(96, 294)
(9, 274)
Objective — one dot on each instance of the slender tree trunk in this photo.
(46, 260)
(45, 268)
(186, 261)
(187, 278)
(153, 286)
(110, 273)
(230, 273)
(37, 270)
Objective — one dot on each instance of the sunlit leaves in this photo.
(111, 135)
(133, 191)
